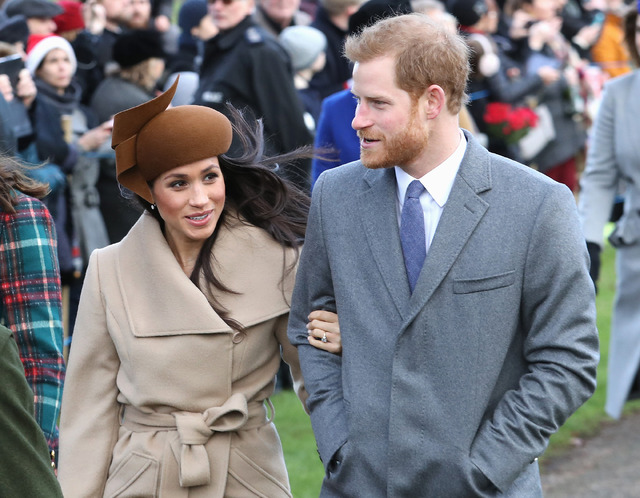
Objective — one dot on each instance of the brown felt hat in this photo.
(150, 139)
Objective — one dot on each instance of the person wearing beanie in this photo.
(68, 135)
(182, 323)
(70, 22)
(307, 48)
(136, 46)
(14, 30)
(140, 57)
(39, 14)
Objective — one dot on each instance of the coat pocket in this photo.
(136, 476)
(467, 286)
(256, 480)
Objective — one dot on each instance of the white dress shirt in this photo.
(437, 183)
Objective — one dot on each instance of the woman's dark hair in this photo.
(630, 34)
(12, 178)
(259, 196)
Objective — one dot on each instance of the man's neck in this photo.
(442, 142)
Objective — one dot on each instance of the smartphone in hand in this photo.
(11, 65)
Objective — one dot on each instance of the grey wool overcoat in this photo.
(614, 157)
(455, 389)
(162, 398)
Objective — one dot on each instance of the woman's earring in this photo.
(153, 206)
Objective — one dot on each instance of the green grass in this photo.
(303, 462)
(305, 469)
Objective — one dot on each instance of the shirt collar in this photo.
(439, 181)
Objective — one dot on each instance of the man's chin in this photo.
(372, 163)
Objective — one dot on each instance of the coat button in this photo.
(238, 337)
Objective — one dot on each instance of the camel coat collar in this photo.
(176, 305)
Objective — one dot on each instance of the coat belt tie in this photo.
(195, 430)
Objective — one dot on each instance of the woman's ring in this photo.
(324, 337)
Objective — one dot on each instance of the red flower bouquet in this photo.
(509, 123)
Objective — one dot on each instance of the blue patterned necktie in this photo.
(412, 234)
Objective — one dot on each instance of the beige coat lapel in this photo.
(166, 302)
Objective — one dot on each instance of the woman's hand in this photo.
(5, 88)
(26, 88)
(324, 331)
(94, 138)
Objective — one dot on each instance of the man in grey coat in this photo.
(457, 366)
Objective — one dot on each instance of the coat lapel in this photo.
(462, 213)
(378, 212)
(165, 300)
(159, 298)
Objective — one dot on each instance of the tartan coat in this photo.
(31, 304)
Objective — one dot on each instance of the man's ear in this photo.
(434, 101)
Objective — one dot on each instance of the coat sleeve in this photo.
(322, 371)
(599, 181)
(324, 138)
(278, 101)
(31, 304)
(89, 421)
(560, 347)
(290, 356)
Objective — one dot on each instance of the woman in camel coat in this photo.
(178, 336)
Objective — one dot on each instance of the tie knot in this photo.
(414, 190)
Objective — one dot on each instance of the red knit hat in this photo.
(71, 19)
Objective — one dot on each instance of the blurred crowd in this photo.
(67, 67)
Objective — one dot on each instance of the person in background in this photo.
(460, 355)
(201, 286)
(247, 67)
(612, 158)
(332, 18)
(334, 133)
(18, 99)
(39, 14)
(25, 467)
(196, 28)
(66, 132)
(142, 18)
(494, 77)
(104, 21)
(70, 23)
(30, 296)
(140, 56)
(536, 29)
(609, 51)
(275, 15)
(307, 48)
(14, 31)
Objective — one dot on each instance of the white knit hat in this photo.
(38, 47)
